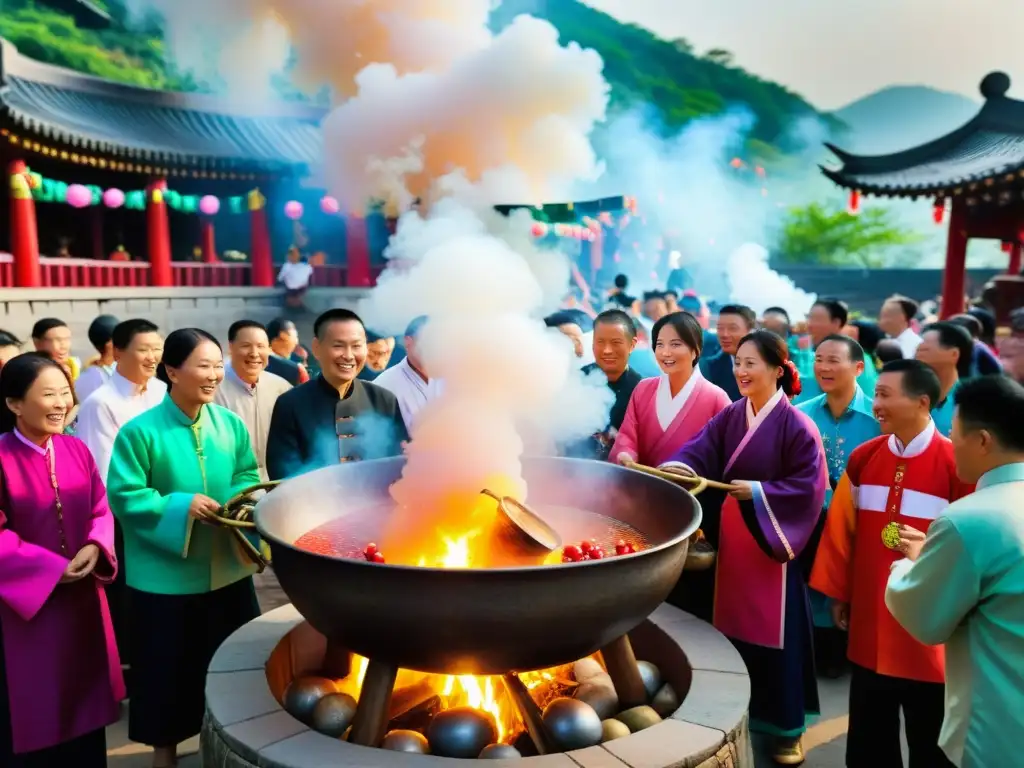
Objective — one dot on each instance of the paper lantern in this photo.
(853, 204)
(539, 229)
(79, 196)
(113, 198)
(293, 210)
(939, 211)
(209, 205)
(329, 205)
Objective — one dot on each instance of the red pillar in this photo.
(24, 235)
(1015, 255)
(259, 233)
(956, 261)
(208, 240)
(158, 231)
(357, 253)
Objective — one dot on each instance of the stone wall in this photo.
(213, 309)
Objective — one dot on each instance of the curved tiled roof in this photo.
(986, 151)
(159, 126)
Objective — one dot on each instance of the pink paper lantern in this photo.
(293, 210)
(113, 198)
(79, 196)
(209, 205)
(329, 205)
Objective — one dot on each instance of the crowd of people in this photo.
(872, 525)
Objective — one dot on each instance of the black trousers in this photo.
(873, 740)
(87, 751)
(173, 639)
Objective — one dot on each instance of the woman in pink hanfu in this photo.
(60, 676)
(772, 452)
(663, 414)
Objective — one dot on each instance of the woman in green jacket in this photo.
(189, 583)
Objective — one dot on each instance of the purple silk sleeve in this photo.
(704, 453)
(787, 510)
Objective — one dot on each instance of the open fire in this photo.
(430, 694)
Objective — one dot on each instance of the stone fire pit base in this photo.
(246, 727)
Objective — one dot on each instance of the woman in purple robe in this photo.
(772, 453)
(60, 676)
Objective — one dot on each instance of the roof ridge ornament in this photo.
(995, 85)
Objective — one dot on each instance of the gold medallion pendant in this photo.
(891, 535)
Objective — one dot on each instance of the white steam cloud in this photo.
(430, 105)
(688, 188)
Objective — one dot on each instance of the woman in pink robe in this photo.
(60, 680)
(663, 414)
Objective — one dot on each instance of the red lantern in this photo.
(1007, 247)
(539, 229)
(939, 211)
(853, 205)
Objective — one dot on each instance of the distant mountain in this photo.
(900, 117)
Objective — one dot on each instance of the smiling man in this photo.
(336, 417)
(903, 479)
(844, 418)
(614, 341)
(734, 322)
(249, 390)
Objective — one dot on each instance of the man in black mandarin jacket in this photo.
(335, 418)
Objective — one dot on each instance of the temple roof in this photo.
(184, 129)
(986, 151)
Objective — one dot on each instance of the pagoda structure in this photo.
(975, 174)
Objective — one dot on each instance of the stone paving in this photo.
(825, 740)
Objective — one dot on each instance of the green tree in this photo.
(818, 234)
(720, 56)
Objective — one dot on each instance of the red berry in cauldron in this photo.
(596, 553)
(377, 557)
(572, 553)
(621, 547)
(587, 546)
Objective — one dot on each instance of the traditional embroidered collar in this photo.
(916, 446)
(179, 416)
(42, 450)
(668, 407)
(755, 420)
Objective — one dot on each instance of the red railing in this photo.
(197, 275)
(91, 273)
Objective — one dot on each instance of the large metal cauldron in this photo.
(480, 621)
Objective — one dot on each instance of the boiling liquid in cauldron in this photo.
(347, 536)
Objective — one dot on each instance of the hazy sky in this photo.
(835, 51)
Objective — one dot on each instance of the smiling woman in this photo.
(189, 582)
(56, 557)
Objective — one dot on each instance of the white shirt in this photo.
(254, 406)
(295, 275)
(909, 342)
(91, 379)
(409, 388)
(112, 406)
